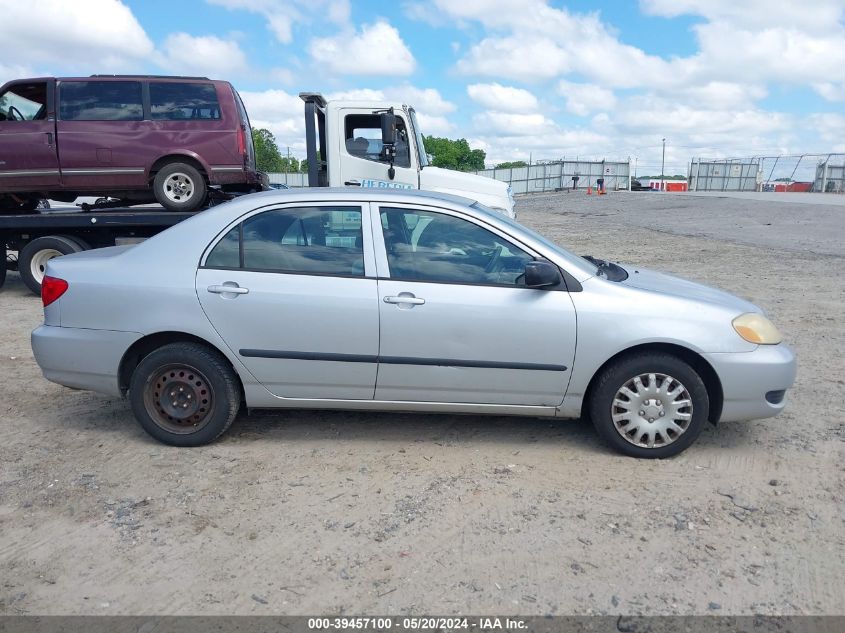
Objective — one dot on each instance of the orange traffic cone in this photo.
(589, 190)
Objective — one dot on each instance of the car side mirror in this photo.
(541, 274)
(388, 128)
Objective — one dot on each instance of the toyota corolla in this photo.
(400, 301)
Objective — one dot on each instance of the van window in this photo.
(363, 138)
(24, 102)
(182, 101)
(100, 101)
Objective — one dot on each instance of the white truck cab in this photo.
(377, 144)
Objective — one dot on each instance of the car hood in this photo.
(493, 193)
(654, 281)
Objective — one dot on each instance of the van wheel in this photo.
(33, 258)
(652, 405)
(180, 187)
(184, 394)
(18, 205)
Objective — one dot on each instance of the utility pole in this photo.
(287, 167)
(663, 168)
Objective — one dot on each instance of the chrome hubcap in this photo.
(178, 187)
(652, 410)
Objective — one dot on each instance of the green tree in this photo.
(303, 165)
(511, 164)
(454, 154)
(267, 155)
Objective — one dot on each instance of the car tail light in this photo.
(51, 289)
(241, 141)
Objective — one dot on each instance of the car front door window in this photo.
(430, 246)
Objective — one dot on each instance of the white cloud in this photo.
(582, 99)
(202, 55)
(424, 100)
(831, 92)
(503, 98)
(377, 49)
(280, 112)
(282, 17)
(94, 35)
(435, 125)
(512, 124)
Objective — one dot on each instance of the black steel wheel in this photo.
(185, 394)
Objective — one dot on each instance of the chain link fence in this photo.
(565, 174)
(796, 172)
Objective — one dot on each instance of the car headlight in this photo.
(755, 328)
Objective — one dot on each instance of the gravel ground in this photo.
(331, 512)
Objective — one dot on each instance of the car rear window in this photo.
(100, 101)
(173, 101)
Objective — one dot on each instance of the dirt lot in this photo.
(306, 513)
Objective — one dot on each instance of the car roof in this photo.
(363, 193)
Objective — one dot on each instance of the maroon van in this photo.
(135, 138)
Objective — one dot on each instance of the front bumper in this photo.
(747, 378)
(81, 358)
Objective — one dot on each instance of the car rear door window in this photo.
(100, 101)
(174, 101)
(305, 240)
(430, 246)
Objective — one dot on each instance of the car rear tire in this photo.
(180, 187)
(33, 258)
(652, 405)
(185, 394)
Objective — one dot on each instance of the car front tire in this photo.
(185, 394)
(651, 405)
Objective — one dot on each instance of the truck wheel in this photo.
(184, 394)
(33, 258)
(652, 405)
(180, 187)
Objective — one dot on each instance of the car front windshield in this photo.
(420, 143)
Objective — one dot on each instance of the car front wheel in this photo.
(184, 394)
(652, 405)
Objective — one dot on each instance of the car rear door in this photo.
(28, 137)
(455, 323)
(292, 291)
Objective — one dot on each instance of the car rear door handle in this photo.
(405, 298)
(227, 289)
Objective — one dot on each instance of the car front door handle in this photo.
(352, 183)
(228, 289)
(405, 297)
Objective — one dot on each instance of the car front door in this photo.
(287, 290)
(457, 322)
(28, 160)
(360, 151)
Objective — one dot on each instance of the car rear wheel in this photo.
(652, 405)
(180, 187)
(33, 258)
(184, 394)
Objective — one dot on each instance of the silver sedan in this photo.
(396, 300)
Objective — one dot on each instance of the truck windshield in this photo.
(423, 157)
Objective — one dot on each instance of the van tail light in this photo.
(242, 141)
(51, 289)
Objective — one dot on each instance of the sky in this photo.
(527, 79)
